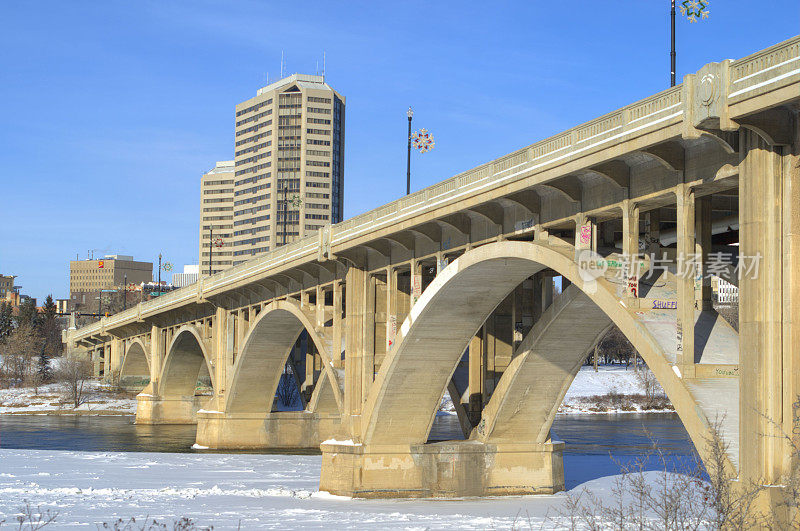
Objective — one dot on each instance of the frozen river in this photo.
(94, 469)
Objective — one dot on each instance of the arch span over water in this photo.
(266, 348)
(438, 329)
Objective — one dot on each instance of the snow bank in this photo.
(244, 491)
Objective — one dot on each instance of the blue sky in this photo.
(110, 111)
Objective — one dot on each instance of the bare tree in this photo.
(684, 494)
(19, 351)
(29, 519)
(649, 384)
(73, 373)
(615, 346)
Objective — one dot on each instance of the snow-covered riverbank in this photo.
(226, 490)
(101, 400)
(613, 389)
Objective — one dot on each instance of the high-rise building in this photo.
(289, 163)
(216, 216)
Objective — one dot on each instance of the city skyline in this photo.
(136, 153)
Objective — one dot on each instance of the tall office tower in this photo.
(289, 157)
(216, 216)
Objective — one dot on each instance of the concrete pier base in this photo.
(442, 470)
(173, 410)
(286, 429)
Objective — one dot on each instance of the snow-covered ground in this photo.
(608, 380)
(226, 490)
(588, 384)
(50, 399)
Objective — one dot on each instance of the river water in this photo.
(596, 445)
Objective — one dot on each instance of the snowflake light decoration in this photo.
(422, 141)
(167, 266)
(218, 242)
(695, 10)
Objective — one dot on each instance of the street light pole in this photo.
(210, 248)
(672, 50)
(125, 292)
(410, 115)
(159, 274)
(285, 211)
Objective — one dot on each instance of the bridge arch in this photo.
(186, 357)
(440, 325)
(265, 350)
(135, 363)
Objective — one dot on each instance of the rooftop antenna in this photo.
(323, 66)
(317, 68)
(281, 64)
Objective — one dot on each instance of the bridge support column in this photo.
(630, 246)
(702, 220)
(117, 351)
(355, 335)
(221, 332)
(441, 470)
(477, 376)
(685, 278)
(769, 221)
(336, 350)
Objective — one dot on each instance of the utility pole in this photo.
(410, 115)
(285, 206)
(672, 51)
(210, 248)
(159, 274)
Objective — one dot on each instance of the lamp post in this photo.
(693, 10)
(672, 50)
(125, 292)
(285, 207)
(210, 249)
(159, 274)
(410, 115)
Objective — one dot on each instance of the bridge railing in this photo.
(494, 173)
(778, 62)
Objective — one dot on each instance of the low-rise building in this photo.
(91, 280)
(723, 291)
(189, 276)
(6, 285)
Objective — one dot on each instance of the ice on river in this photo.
(260, 491)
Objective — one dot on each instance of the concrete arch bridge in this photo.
(451, 289)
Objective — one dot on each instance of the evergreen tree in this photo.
(27, 314)
(50, 308)
(44, 371)
(6, 320)
(50, 329)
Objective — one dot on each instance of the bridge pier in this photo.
(168, 410)
(449, 469)
(285, 429)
